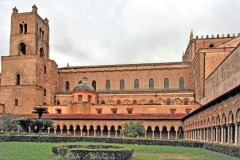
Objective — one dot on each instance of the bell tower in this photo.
(29, 77)
(29, 34)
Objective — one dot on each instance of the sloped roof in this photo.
(232, 43)
(108, 116)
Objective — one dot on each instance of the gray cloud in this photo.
(124, 31)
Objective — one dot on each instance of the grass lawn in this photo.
(43, 151)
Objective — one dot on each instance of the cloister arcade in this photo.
(106, 128)
(218, 124)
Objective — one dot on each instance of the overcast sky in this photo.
(98, 32)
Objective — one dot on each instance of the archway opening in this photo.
(22, 49)
(164, 133)
(156, 133)
(112, 131)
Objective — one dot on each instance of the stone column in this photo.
(55, 130)
(108, 133)
(176, 133)
(88, 130)
(74, 132)
(218, 134)
(145, 134)
(94, 132)
(61, 130)
(236, 133)
(48, 130)
(222, 133)
(160, 134)
(152, 134)
(168, 134)
(116, 133)
(200, 134)
(229, 134)
(101, 133)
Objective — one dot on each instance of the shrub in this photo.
(36, 125)
(133, 129)
(89, 152)
(9, 123)
(226, 149)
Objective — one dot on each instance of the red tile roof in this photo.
(108, 116)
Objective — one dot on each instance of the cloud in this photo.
(124, 31)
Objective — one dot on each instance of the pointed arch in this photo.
(181, 83)
(22, 49)
(136, 84)
(122, 85)
(41, 52)
(166, 83)
(18, 79)
(94, 84)
(67, 86)
(108, 85)
(151, 84)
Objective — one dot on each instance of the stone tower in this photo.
(29, 77)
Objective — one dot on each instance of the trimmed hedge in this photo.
(88, 152)
(222, 148)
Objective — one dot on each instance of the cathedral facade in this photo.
(197, 98)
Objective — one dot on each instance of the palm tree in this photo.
(40, 111)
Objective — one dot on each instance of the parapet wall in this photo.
(224, 78)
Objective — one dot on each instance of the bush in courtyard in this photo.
(9, 123)
(91, 152)
(133, 129)
(36, 125)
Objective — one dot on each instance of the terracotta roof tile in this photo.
(109, 116)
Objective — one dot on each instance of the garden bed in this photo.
(91, 152)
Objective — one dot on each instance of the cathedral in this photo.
(195, 99)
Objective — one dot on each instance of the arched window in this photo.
(151, 83)
(44, 92)
(122, 83)
(181, 83)
(108, 85)
(102, 102)
(166, 83)
(211, 45)
(58, 102)
(25, 28)
(134, 102)
(94, 84)
(16, 102)
(118, 102)
(67, 86)
(41, 52)
(80, 82)
(21, 29)
(185, 101)
(45, 69)
(22, 49)
(18, 79)
(168, 102)
(136, 84)
(151, 102)
(42, 34)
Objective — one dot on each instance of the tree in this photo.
(40, 111)
(36, 125)
(133, 129)
(9, 123)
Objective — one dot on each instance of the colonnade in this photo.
(226, 133)
(114, 131)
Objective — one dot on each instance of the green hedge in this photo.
(89, 152)
(222, 148)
